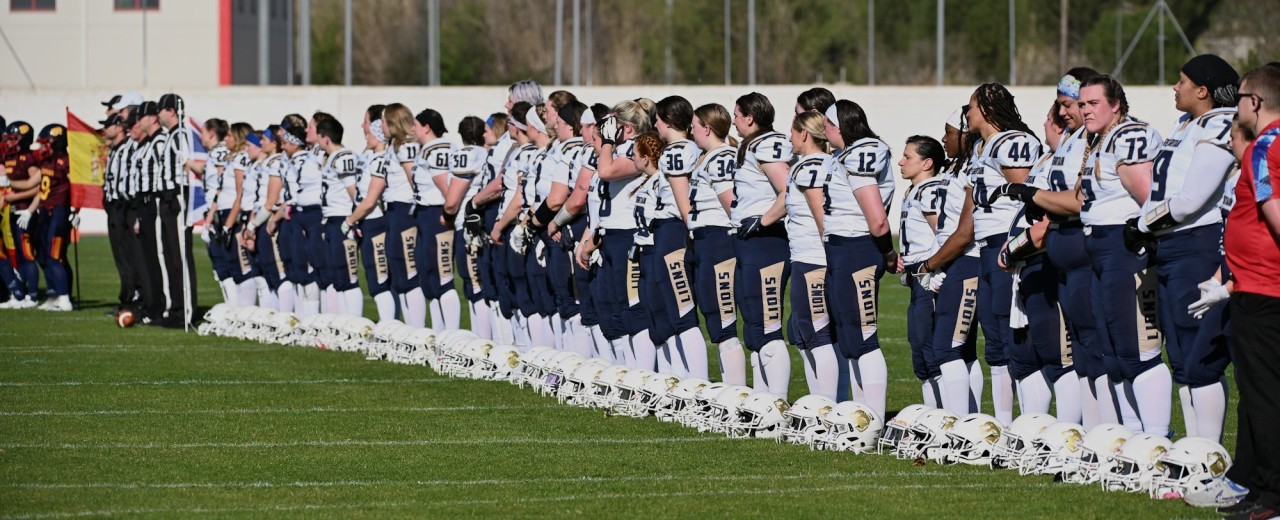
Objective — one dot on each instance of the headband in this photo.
(833, 115)
(519, 126)
(536, 122)
(290, 138)
(1069, 86)
(956, 119)
(375, 128)
(254, 139)
(588, 118)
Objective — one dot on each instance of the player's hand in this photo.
(1212, 292)
(892, 262)
(1015, 191)
(23, 218)
(935, 281)
(749, 227)
(349, 232)
(610, 130)
(74, 220)
(1135, 240)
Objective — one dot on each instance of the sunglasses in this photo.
(1257, 100)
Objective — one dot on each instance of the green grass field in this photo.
(99, 421)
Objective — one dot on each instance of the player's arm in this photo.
(376, 186)
(234, 214)
(1136, 179)
(1212, 164)
(582, 188)
(958, 241)
(814, 199)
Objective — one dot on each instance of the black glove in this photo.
(473, 221)
(1134, 240)
(1015, 191)
(634, 253)
(749, 227)
(1033, 213)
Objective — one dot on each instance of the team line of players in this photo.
(604, 230)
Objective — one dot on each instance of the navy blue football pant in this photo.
(610, 285)
(855, 267)
(468, 266)
(402, 246)
(809, 325)
(1197, 349)
(764, 265)
(713, 265)
(1040, 346)
(25, 266)
(307, 251)
(1119, 290)
(1065, 247)
(224, 264)
(920, 328)
(54, 233)
(541, 293)
(668, 287)
(577, 301)
(269, 257)
(956, 313)
(373, 253)
(995, 295)
(434, 253)
(341, 267)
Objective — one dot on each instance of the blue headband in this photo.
(254, 139)
(1069, 86)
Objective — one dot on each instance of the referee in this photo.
(1252, 243)
(176, 270)
(117, 200)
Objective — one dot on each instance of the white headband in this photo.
(956, 119)
(519, 126)
(536, 122)
(833, 115)
(375, 128)
(588, 118)
(287, 136)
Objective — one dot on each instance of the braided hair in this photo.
(996, 104)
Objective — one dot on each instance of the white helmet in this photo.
(652, 394)
(804, 419)
(850, 426)
(533, 365)
(579, 383)
(927, 435)
(560, 370)
(679, 399)
(760, 415)
(1015, 441)
(1136, 466)
(724, 408)
(1191, 465)
(1054, 450)
(503, 363)
(418, 346)
(604, 390)
(896, 429)
(1098, 450)
(625, 399)
(973, 440)
(697, 414)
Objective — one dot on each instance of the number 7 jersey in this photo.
(1106, 201)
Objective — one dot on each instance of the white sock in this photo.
(548, 332)
(1102, 391)
(875, 380)
(928, 391)
(268, 300)
(757, 375)
(601, 347)
(622, 352)
(329, 301)
(451, 306)
(975, 386)
(481, 319)
(855, 383)
(643, 351)
(1211, 409)
(1066, 393)
(247, 292)
(230, 293)
(576, 337)
(520, 331)
(287, 297)
(822, 370)
(557, 331)
(665, 360)
(415, 308)
(733, 362)
(1002, 393)
(353, 302)
(691, 350)
(1153, 396)
(955, 387)
(775, 363)
(437, 314)
(1088, 403)
(308, 300)
(1034, 395)
(1128, 413)
(501, 325)
(1188, 411)
(386, 302)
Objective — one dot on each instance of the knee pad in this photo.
(772, 350)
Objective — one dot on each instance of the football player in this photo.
(435, 238)
(340, 280)
(52, 223)
(564, 179)
(368, 216)
(304, 225)
(760, 182)
(922, 158)
(399, 204)
(24, 284)
(527, 239)
(466, 170)
(480, 215)
(236, 173)
(511, 271)
(213, 172)
(271, 242)
(859, 249)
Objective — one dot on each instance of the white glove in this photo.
(519, 242)
(24, 218)
(610, 130)
(540, 253)
(935, 281)
(4, 181)
(1212, 292)
(75, 220)
(596, 259)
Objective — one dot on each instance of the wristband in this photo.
(542, 216)
(260, 218)
(884, 243)
(563, 217)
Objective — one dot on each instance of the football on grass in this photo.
(125, 318)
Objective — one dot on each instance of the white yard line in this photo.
(207, 511)
(255, 411)
(353, 442)
(220, 382)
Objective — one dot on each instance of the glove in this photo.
(1134, 239)
(520, 240)
(596, 259)
(75, 220)
(935, 281)
(24, 218)
(633, 254)
(540, 252)
(891, 261)
(1212, 292)
(1015, 191)
(4, 181)
(473, 223)
(610, 130)
(349, 232)
(749, 227)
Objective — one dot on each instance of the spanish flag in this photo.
(88, 152)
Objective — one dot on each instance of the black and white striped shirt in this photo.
(149, 162)
(178, 149)
(116, 172)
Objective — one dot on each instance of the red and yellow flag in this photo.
(88, 152)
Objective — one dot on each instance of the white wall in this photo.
(89, 43)
(894, 112)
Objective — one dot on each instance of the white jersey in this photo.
(277, 165)
(306, 166)
(587, 160)
(713, 176)
(513, 174)
(399, 189)
(255, 185)
(543, 171)
(1172, 166)
(531, 167)
(468, 165)
(238, 163)
(215, 168)
(373, 164)
(1009, 149)
(917, 240)
(1068, 161)
(340, 172)
(1106, 201)
(646, 208)
(1229, 193)
(866, 163)
(810, 172)
(1039, 177)
(951, 195)
(753, 192)
(679, 159)
(431, 163)
(617, 200)
(568, 162)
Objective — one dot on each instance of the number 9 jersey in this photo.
(1013, 149)
(1172, 169)
(1106, 201)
